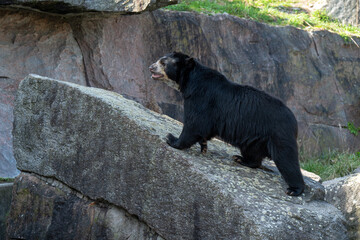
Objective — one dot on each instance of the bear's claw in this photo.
(294, 192)
(171, 139)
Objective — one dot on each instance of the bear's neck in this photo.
(173, 85)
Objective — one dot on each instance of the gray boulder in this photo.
(113, 150)
(347, 11)
(344, 193)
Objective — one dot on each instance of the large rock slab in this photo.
(112, 149)
(76, 6)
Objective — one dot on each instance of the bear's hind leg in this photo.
(247, 162)
(286, 160)
(252, 154)
(203, 145)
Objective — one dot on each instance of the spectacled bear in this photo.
(258, 124)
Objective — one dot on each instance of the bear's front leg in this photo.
(171, 140)
(186, 139)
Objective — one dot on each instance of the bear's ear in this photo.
(189, 62)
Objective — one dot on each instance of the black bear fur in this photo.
(258, 124)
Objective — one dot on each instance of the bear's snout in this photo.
(156, 73)
(152, 67)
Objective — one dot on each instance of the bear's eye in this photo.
(162, 62)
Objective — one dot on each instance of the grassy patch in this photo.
(332, 164)
(2, 180)
(352, 129)
(278, 12)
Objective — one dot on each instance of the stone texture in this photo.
(344, 193)
(314, 73)
(347, 11)
(78, 6)
(5, 201)
(31, 43)
(41, 44)
(47, 209)
(109, 148)
(7, 96)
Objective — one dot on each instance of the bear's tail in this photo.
(285, 156)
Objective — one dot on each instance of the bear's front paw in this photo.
(294, 191)
(171, 140)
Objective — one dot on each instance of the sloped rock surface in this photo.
(76, 6)
(112, 149)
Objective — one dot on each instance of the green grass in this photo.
(332, 164)
(278, 12)
(6, 180)
(352, 129)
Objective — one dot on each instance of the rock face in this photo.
(76, 6)
(7, 95)
(347, 11)
(314, 73)
(344, 193)
(113, 150)
(5, 201)
(62, 213)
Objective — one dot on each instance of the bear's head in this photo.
(173, 69)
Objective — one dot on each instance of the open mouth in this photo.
(156, 75)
